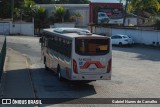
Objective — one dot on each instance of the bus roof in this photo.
(72, 32)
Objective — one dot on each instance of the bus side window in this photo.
(55, 44)
(68, 52)
(47, 41)
(42, 39)
(64, 47)
(60, 46)
(51, 42)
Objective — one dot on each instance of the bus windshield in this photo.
(91, 46)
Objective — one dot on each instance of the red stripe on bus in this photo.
(88, 63)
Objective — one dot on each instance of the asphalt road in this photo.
(135, 74)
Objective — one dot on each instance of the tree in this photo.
(59, 13)
(26, 10)
(157, 22)
(125, 12)
(17, 14)
(138, 6)
(144, 8)
(45, 1)
(67, 15)
(5, 9)
(29, 8)
(40, 18)
(17, 3)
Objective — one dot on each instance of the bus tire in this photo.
(46, 68)
(120, 44)
(59, 73)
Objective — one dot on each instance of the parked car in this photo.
(120, 39)
(102, 18)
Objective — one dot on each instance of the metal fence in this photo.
(2, 55)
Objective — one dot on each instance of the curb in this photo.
(3, 77)
(30, 77)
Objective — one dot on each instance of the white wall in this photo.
(139, 36)
(135, 34)
(62, 25)
(148, 37)
(102, 30)
(158, 38)
(5, 27)
(23, 28)
(130, 20)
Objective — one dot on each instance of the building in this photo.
(83, 9)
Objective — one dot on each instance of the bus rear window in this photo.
(92, 46)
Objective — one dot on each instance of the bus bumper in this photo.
(91, 77)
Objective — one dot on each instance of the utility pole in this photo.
(12, 10)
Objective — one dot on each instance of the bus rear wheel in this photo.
(59, 73)
(120, 44)
(46, 68)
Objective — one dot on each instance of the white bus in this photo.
(76, 54)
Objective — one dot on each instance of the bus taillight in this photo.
(75, 66)
(109, 66)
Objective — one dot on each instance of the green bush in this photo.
(157, 23)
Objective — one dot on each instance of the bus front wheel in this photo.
(46, 68)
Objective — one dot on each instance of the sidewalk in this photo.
(16, 78)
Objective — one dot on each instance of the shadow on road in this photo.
(144, 53)
(47, 85)
(17, 84)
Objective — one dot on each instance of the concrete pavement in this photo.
(17, 81)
